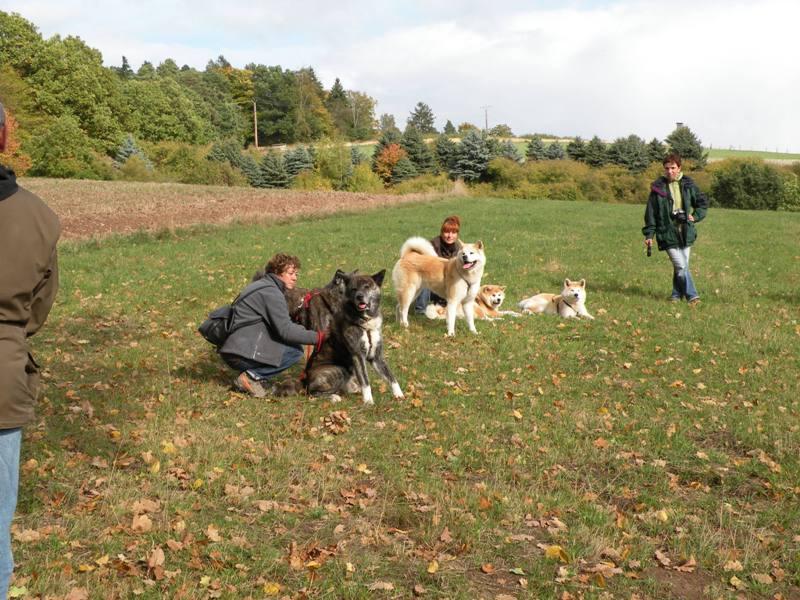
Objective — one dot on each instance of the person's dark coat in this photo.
(658, 217)
(265, 340)
(29, 231)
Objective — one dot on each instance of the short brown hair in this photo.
(280, 263)
(451, 223)
(672, 157)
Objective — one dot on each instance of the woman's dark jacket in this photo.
(265, 340)
(658, 217)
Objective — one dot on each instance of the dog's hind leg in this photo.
(326, 379)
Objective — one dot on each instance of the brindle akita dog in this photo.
(314, 309)
(355, 339)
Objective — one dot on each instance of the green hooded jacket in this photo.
(658, 219)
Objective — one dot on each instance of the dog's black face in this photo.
(363, 293)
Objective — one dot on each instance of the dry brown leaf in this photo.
(733, 565)
(487, 568)
(141, 524)
(663, 559)
(78, 593)
(156, 558)
(27, 535)
(445, 537)
(380, 585)
(737, 583)
(762, 578)
(687, 566)
(212, 533)
(433, 567)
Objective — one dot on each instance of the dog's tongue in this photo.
(362, 306)
(469, 265)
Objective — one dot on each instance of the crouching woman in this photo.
(265, 341)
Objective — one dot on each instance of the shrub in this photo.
(746, 183)
(136, 168)
(311, 181)
(64, 150)
(505, 173)
(425, 184)
(791, 191)
(364, 180)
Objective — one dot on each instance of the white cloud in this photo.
(606, 68)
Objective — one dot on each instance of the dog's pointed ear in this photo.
(583, 283)
(340, 277)
(502, 288)
(567, 282)
(479, 245)
(378, 277)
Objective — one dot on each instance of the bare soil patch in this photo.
(91, 209)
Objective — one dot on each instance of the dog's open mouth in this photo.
(362, 306)
(469, 265)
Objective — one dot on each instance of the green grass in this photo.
(654, 427)
(720, 153)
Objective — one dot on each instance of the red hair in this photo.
(451, 223)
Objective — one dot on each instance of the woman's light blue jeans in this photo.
(682, 283)
(260, 371)
(10, 440)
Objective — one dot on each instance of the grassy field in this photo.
(651, 453)
(720, 154)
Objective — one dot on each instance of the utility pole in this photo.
(255, 124)
(486, 117)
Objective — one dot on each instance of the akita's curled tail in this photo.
(419, 245)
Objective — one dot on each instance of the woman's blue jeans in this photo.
(260, 371)
(682, 283)
(10, 440)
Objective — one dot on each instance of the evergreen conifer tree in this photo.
(596, 154)
(130, 148)
(536, 149)
(629, 152)
(273, 173)
(449, 128)
(686, 143)
(403, 169)
(418, 152)
(555, 151)
(656, 151)
(422, 118)
(509, 150)
(355, 156)
(472, 158)
(446, 152)
(296, 160)
(250, 168)
(576, 149)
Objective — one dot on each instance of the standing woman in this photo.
(675, 205)
(446, 245)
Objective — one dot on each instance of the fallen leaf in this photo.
(212, 533)
(27, 535)
(487, 568)
(156, 558)
(77, 594)
(141, 524)
(663, 559)
(737, 583)
(272, 588)
(733, 565)
(380, 585)
(687, 566)
(433, 567)
(762, 578)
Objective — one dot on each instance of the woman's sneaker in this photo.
(694, 301)
(248, 385)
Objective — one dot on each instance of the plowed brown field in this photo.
(97, 208)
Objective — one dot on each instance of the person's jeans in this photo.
(10, 440)
(260, 371)
(682, 283)
(423, 300)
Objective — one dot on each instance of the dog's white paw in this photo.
(366, 394)
(335, 398)
(396, 391)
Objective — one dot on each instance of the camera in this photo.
(679, 216)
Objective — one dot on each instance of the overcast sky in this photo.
(728, 69)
